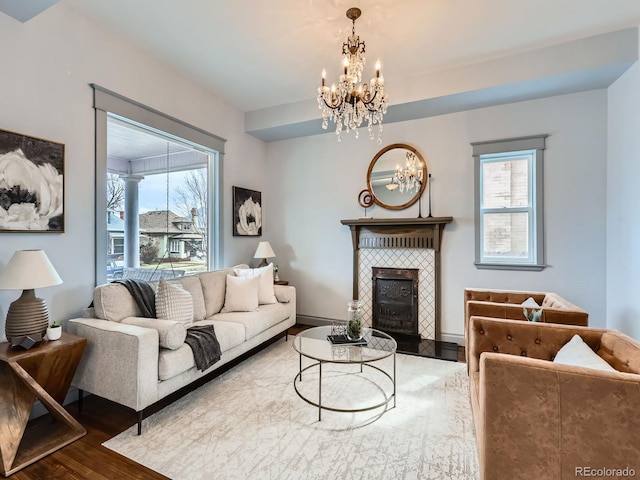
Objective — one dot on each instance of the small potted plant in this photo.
(54, 331)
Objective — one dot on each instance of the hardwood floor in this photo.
(87, 458)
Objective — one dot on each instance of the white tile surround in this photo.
(420, 258)
(400, 243)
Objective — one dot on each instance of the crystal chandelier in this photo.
(351, 101)
(409, 178)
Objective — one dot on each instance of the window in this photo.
(168, 188)
(118, 246)
(509, 204)
(158, 182)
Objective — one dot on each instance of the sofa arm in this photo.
(528, 339)
(544, 420)
(120, 362)
(285, 293)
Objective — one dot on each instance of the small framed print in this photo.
(247, 212)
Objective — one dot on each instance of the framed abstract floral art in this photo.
(247, 212)
(31, 184)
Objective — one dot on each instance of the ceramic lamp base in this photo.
(28, 315)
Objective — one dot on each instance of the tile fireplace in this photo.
(396, 274)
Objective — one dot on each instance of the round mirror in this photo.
(397, 176)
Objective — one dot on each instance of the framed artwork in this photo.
(31, 184)
(247, 212)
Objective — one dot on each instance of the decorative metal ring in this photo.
(365, 199)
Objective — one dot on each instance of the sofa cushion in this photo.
(174, 362)
(266, 294)
(257, 321)
(229, 334)
(241, 294)
(213, 290)
(193, 285)
(112, 301)
(174, 303)
(576, 352)
(170, 334)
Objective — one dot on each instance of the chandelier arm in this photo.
(330, 105)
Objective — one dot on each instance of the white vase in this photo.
(54, 333)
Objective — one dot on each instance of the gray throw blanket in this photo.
(143, 295)
(201, 339)
(204, 344)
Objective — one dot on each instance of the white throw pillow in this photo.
(241, 294)
(530, 303)
(576, 352)
(266, 294)
(174, 303)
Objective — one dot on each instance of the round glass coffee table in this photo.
(314, 344)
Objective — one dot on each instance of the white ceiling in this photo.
(260, 53)
(438, 56)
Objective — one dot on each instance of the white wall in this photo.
(47, 65)
(314, 183)
(623, 206)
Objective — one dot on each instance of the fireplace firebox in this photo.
(395, 300)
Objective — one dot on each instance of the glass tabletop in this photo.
(313, 343)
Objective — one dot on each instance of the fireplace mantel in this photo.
(398, 233)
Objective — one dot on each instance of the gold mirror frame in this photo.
(389, 159)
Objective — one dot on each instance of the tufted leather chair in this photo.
(538, 419)
(507, 304)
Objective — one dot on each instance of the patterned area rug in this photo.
(249, 423)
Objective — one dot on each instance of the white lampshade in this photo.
(29, 269)
(264, 250)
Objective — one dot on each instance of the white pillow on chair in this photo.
(577, 353)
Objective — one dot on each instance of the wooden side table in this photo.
(44, 372)
(281, 282)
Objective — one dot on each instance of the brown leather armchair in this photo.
(507, 305)
(544, 420)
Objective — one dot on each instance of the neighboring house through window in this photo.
(509, 203)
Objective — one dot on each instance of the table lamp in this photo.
(264, 251)
(28, 316)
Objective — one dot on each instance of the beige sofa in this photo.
(124, 361)
(544, 420)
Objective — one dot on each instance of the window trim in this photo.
(536, 262)
(107, 102)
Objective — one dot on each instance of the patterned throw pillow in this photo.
(174, 303)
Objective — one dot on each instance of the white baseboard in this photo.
(318, 322)
(38, 409)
